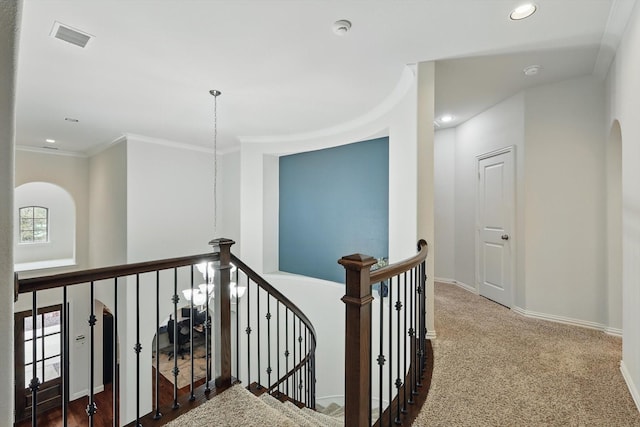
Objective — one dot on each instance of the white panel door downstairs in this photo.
(495, 210)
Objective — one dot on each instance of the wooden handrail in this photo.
(391, 270)
(97, 274)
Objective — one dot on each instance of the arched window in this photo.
(34, 224)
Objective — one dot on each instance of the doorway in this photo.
(495, 216)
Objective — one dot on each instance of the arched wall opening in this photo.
(59, 249)
(614, 229)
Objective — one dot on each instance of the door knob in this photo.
(505, 237)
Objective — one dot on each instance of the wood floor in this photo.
(77, 416)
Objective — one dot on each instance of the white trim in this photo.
(616, 332)
(168, 143)
(103, 147)
(560, 319)
(52, 151)
(630, 384)
(431, 335)
(85, 392)
(39, 265)
(617, 21)
(462, 285)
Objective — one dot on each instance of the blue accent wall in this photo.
(333, 202)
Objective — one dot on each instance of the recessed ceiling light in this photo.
(531, 70)
(341, 27)
(72, 120)
(50, 141)
(523, 11)
(446, 118)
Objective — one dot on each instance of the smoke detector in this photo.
(341, 27)
(70, 35)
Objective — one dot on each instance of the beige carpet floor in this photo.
(493, 367)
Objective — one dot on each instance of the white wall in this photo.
(614, 228)
(500, 126)
(623, 85)
(9, 21)
(229, 198)
(565, 200)
(444, 195)
(108, 207)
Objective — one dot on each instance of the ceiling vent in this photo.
(70, 35)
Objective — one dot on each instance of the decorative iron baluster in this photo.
(65, 357)
(390, 366)
(278, 345)
(157, 414)
(399, 336)
(404, 335)
(138, 349)
(192, 396)
(248, 331)
(207, 336)
(176, 346)
(259, 337)
(116, 376)
(301, 357)
(286, 350)
(381, 358)
(237, 325)
(34, 385)
(268, 317)
(91, 408)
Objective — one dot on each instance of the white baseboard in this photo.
(431, 335)
(567, 321)
(630, 384)
(616, 332)
(457, 283)
(85, 392)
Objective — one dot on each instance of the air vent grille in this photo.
(70, 35)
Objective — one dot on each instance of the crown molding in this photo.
(619, 14)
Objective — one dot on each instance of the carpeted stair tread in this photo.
(325, 420)
(290, 411)
(231, 408)
(331, 409)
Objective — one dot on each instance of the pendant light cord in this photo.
(215, 94)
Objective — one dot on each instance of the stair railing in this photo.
(390, 331)
(286, 349)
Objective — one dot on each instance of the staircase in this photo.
(238, 406)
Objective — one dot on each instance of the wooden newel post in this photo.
(222, 312)
(358, 339)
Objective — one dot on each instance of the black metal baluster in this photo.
(176, 347)
(207, 334)
(116, 374)
(157, 414)
(423, 312)
(390, 366)
(404, 335)
(192, 396)
(301, 358)
(286, 343)
(237, 325)
(294, 362)
(381, 358)
(419, 328)
(248, 331)
(138, 349)
(278, 345)
(306, 366)
(259, 338)
(65, 357)
(399, 336)
(268, 317)
(91, 408)
(34, 385)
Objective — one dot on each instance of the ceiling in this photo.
(280, 67)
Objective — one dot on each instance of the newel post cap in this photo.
(357, 262)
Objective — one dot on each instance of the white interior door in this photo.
(495, 249)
